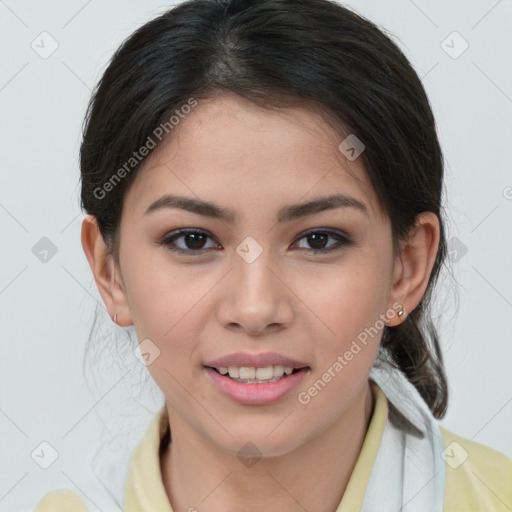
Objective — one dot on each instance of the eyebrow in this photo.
(285, 214)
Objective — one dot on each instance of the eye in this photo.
(193, 241)
(318, 238)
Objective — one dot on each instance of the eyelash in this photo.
(169, 239)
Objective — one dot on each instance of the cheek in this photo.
(350, 305)
(350, 310)
(165, 302)
(346, 300)
(160, 294)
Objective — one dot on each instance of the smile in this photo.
(256, 386)
(252, 375)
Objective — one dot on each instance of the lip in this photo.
(257, 393)
(255, 360)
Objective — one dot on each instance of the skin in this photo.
(305, 306)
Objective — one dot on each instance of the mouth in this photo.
(257, 375)
(256, 385)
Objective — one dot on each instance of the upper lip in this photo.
(240, 359)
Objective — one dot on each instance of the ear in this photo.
(106, 273)
(414, 264)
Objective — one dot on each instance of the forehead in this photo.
(228, 149)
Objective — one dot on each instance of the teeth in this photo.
(278, 370)
(265, 373)
(248, 373)
(234, 371)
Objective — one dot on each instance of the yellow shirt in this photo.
(479, 479)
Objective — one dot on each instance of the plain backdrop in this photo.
(460, 49)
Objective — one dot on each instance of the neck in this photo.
(198, 475)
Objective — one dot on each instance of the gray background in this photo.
(47, 307)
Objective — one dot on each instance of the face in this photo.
(261, 285)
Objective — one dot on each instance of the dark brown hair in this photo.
(278, 53)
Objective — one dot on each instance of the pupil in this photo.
(317, 235)
(196, 238)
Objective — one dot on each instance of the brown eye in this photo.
(318, 240)
(193, 241)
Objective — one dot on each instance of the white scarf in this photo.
(409, 473)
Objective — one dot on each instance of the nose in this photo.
(255, 297)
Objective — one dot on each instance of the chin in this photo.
(260, 442)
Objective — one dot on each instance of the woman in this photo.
(263, 183)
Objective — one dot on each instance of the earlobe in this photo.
(104, 271)
(414, 264)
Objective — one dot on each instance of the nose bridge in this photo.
(256, 296)
(252, 270)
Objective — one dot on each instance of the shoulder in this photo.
(61, 500)
(477, 476)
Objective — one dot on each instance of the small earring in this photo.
(401, 312)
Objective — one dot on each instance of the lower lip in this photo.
(256, 393)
